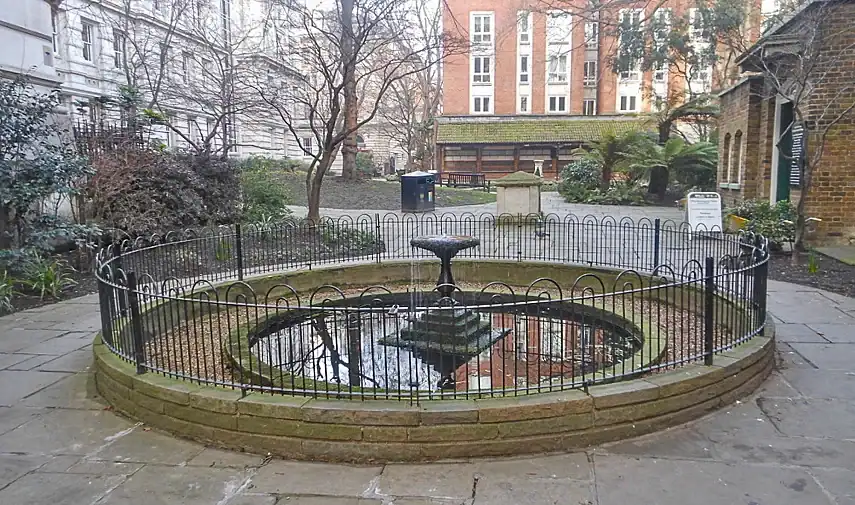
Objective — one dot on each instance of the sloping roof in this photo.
(531, 131)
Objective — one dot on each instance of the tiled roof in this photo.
(532, 131)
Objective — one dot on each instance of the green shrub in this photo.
(263, 196)
(775, 222)
(581, 180)
(47, 276)
(7, 291)
(256, 162)
(365, 166)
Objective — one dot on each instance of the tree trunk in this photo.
(607, 178)
(348, 149)
(659, 175)
(7, 228)
(313, 192)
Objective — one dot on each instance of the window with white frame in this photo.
(557, 104)
(558, 68)
(552, 344)
(186, 63)
(481, 104)
(87, 33)
(523, 103)
(630, 27)
(628, 103)
(207, 69)
(589, 78)
(589, 107)
(592, 34)
(696, 24)
(192, 130)
(481, 69)
(482, 28)
(524, 71)
(557, 27)
(659, 72)
(524, 27)
(118, 48)
(307, 144)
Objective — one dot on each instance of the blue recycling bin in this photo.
(417, 192)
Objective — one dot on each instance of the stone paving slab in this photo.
(792, 443)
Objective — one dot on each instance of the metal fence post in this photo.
(379, 241)
(115, 267)
(104, 308)
(239, 251)
(657, 230)
(709, 307)
(761, 272)
(136, 323)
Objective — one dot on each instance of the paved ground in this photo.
(792, 443)
(551, 202)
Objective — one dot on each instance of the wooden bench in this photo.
(458, 180)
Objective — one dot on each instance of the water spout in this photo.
(445, 247)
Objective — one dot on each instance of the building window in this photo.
(557, 27)
(738, 152)
(524, 27)
(589, 107)
(192, 130)
(524, 69)
(307, 145)
(557, 104)
(186, 63)
(164, 53)
(118, 48)
(592, 34)
(629, 71)
(696, 21)
(628, 103)
(88, 35)
(481, 70)
(558, 69)
(482, 28)
(482, 104)
(726, 159)
(659, 72)
(590, 75)
(523, 104)
(207, 70)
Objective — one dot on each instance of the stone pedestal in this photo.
(518, 194)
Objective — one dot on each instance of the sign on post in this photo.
(704, 211)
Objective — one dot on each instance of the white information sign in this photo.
(704, 211)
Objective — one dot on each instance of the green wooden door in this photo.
(785, 154)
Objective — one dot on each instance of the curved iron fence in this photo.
(612, 299)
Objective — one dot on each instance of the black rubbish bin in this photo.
(417, 192)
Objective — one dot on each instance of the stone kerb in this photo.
(385, 431)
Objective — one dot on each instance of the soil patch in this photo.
(830, 275)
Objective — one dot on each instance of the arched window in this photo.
(738, 167)
(360, 143)
(725, 160)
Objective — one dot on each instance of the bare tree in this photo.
(801, 63)
(195, 59)
(313, 106)
(414, 102)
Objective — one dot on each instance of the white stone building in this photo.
(26, 42)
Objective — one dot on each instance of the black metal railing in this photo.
(603, 300)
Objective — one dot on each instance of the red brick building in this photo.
(760, 133)
(538, 82)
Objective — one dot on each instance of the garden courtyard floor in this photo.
(793, 442)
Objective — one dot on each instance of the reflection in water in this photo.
(377, 350)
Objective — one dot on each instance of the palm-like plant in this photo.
(693, 165)
(613, 152)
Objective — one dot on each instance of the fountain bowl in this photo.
(445, 245)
